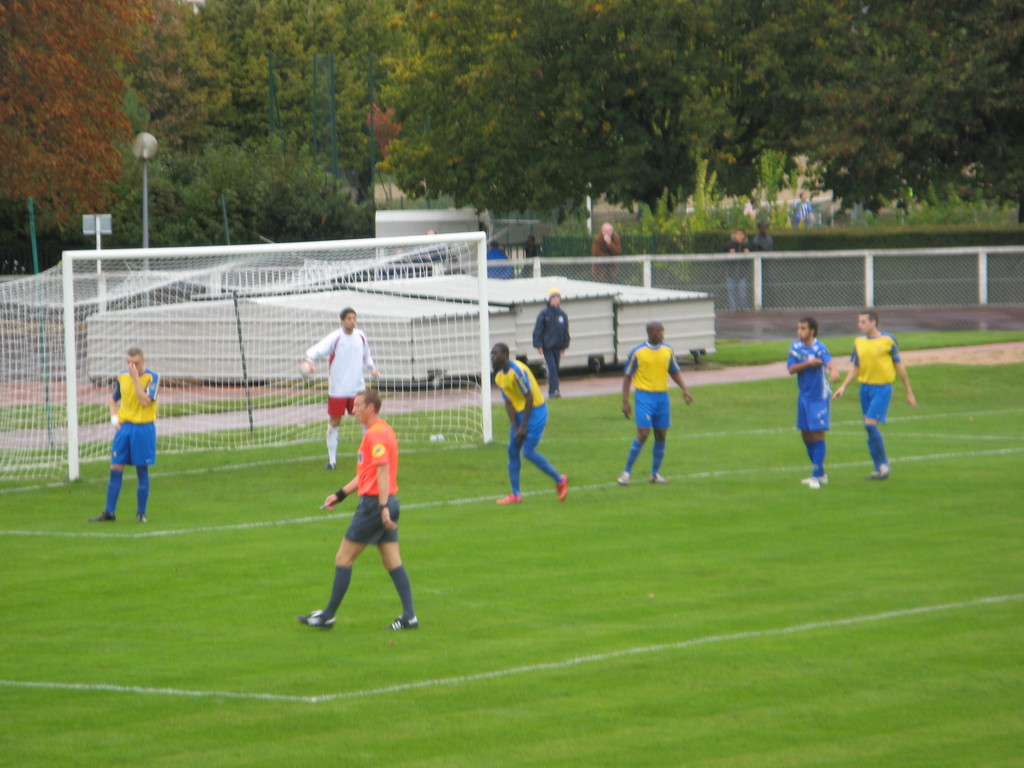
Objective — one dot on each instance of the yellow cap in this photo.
(554, 292)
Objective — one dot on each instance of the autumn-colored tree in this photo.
(61, 95)
(382, 123)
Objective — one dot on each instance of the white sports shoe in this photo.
(623, 479)
(658, 480)
(823, 480)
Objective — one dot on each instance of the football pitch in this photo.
(730, 618)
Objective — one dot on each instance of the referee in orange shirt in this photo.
(376, 518)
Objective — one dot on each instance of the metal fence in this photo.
(905, 278)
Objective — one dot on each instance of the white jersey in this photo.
(349, 353)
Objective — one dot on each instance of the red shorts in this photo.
(339, 406)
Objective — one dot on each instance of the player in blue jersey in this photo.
(810, 360)
(133, 414)
(876, 363)
(648, 368)
(528, 414)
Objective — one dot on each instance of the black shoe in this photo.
(330, 465)
(552, 395)
(106, 517)
(141, 517)
(401, 623)
(317, 619)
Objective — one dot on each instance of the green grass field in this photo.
(732, 618)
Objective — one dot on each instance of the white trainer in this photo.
(811, 482)
(658, 480)
(882, 473)
(623, 479)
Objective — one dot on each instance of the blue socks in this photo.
(142, 492)
(113, 490)
(659, 455)
(530, 452)
(876, 445)
(515, 464)
(515, 467)
(634, 451)
(816, 453)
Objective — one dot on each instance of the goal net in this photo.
(226, 329)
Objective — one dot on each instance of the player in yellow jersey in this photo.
(528, 415)
(876, 363)
(649, 367)
(133, 414)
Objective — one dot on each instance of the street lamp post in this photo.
(144, 147)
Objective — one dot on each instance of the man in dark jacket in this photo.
(551, 337)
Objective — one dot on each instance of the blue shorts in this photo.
(134, 444)
(812, 415)
(652, 410)
(535, 429)
(366, 527)
(874, 401)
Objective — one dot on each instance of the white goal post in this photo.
(226, 328)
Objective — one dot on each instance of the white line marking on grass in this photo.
(182, 531)
(148, 534)
(211, 470)
(459, 680)
(961, 436)
(616, 438)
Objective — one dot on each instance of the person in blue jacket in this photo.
(551, 337)
(499, 265)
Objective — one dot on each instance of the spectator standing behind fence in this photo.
(502, 268)
(531, 248)
(802, 212)
(606, 244)
(762, 240)
(736, 271)
(551, 337)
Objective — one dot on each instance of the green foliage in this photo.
(894, 236)
(907, 96)
(665, 219)
(949, 209)
(269, 193)
(537, 104)
(705, 200)
(759, 624)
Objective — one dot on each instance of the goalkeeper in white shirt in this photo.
(349, 354)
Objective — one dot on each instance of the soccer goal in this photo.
(227, 328)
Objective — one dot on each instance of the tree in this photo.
(293, 32)
(533, 104)
(61, 115)
(268, 192)
(177, 77)
(911, 95)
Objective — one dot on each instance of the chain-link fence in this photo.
(920, 277)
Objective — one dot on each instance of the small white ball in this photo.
(306, 368)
